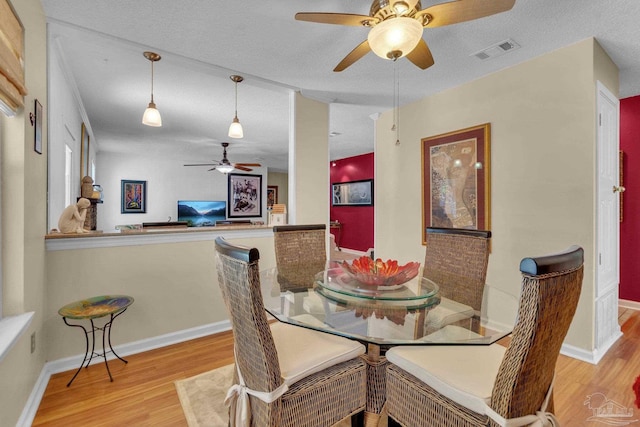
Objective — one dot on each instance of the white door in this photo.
(608, 234)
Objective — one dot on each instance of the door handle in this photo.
(618, 189)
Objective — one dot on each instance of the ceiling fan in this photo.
(224, 165)
(396, 26)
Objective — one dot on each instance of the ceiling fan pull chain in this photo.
(396, 75)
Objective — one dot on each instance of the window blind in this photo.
(12, 88)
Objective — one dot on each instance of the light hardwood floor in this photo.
(143, 393)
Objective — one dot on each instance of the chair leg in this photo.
(357, 420)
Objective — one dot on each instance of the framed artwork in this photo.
(84, 153)
(37, 142)
(272, 195)
(244, 196)
(352, 193)
(134, 196)
(456, 179)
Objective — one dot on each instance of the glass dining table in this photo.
(331, 300)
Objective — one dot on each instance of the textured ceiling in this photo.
(203, 42)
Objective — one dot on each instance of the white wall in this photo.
(167, 182)
(65, 129)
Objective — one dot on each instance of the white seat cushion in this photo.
(303, 352)
(464, 374)
(447, 312)
(452, 333)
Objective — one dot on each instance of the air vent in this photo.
(496, 50)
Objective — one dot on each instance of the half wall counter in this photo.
(171, 274)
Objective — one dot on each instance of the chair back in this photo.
(550, 291)
(239, 280)
(300, 254)
(456, 259)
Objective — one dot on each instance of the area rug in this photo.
(202, 398)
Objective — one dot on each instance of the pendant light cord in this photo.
(236, 110)
(152, 81)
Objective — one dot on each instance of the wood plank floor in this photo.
(143, 393)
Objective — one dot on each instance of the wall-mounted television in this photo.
(202, 213)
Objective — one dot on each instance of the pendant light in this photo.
(151, 116)
(235, 130)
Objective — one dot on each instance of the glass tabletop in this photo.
(414, 314)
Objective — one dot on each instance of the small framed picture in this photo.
(245, 196)
(352, 193)
(272, 195)
(134, 196)
(37, 142)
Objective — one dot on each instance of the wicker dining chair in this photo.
(484, 385)
(456, 259)
(307, 378)
(300, 254)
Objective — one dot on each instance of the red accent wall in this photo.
(630, 225)
(357, 221)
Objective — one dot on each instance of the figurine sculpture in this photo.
(72, 219)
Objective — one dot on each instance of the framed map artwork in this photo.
(456, 179)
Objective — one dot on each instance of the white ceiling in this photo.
(203, 42)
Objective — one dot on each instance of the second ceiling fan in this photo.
(224, 165)
(396, 26)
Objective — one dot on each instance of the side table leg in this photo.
(86, 350)
(109, 334)
(104, 348)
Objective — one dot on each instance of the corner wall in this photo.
(542, 116)
(630, 225)
(357, 221)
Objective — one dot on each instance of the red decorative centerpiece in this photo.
(380, 273)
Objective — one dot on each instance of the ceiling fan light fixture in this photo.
(151, 116)
(224, 168)
(235, 129)
(395, 37)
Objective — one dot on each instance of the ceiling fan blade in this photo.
(242, 168)
(463, 10)
(361, 50)
(212, 169)
(201, 164)
(248, 164)
(336, 18)
(421, 55)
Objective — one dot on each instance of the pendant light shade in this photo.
(235, 130)
(151, 116)
(395, 38)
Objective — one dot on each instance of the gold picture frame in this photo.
(456, 185)
(84, 153)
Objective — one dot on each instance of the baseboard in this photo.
(593, 356)
(632, 305)
(69, 363)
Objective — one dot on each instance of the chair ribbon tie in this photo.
(238, 400)
(540, 419)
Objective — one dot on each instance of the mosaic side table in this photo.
(94, 308)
